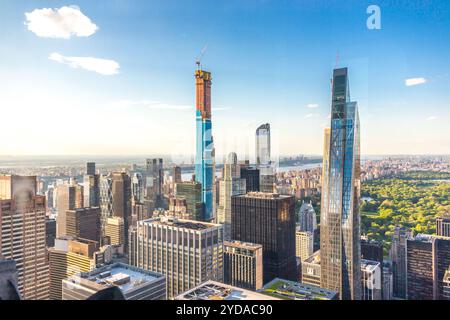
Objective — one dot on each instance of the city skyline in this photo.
(398, 75)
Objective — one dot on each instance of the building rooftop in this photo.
(314, 258)
(264, 195)
(180, 223)
(124, 276)
(241, 244)
(212, 290)
(290, 290)
(369, 265)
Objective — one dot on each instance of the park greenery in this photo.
(410, 199)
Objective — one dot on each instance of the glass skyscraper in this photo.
(263, 145)
(340, 248)
(204, 161)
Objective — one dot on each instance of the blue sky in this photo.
(271, 62)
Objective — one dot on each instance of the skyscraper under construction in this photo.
(340, 247)
(204, 161)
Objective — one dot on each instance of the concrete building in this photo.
(443, 225)
(69, 196)
(371, 280)
(22, 234)
(243, 265)
(70, 256)
(134, 283)
(230, 185)
(115, 231)
(83, 223)
(304, 244)
(216, 291)
(187, 252)
(311, 271)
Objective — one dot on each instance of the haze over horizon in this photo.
(119, 80)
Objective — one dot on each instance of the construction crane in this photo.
(198, 60)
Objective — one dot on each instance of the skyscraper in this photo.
(121, 201)
(191, 191)
(230, 185)
(251, 176)
(90, 168)
(155, 181)
(187, 252)
(176, 174)
(204, 160)
(263, 145)
(267, 219)
(307, 217)
(340, 218)
(137, 187)
(398, 257)
(22, 234)
(83, 223)
(69, 196)
(91, 186)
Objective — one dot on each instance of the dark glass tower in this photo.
(269, 220)
(340, 247)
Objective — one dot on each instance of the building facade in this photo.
(398, 258)
(443, 225)
(230, 185)
(243, 265)
(187, 252)
(191, 191)
(204, 159)
(22, 234)
(267, 219)
(304, 244)
(340, 218)
(371, 281)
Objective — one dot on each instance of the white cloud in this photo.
(101, 66)
(59, 23)
(431, 118)
(150, 104)
(415, 81)
(312, 105)
(311, 115)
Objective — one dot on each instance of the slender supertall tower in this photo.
(204, 161)
(340, 247)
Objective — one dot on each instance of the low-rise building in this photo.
(134, 283)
